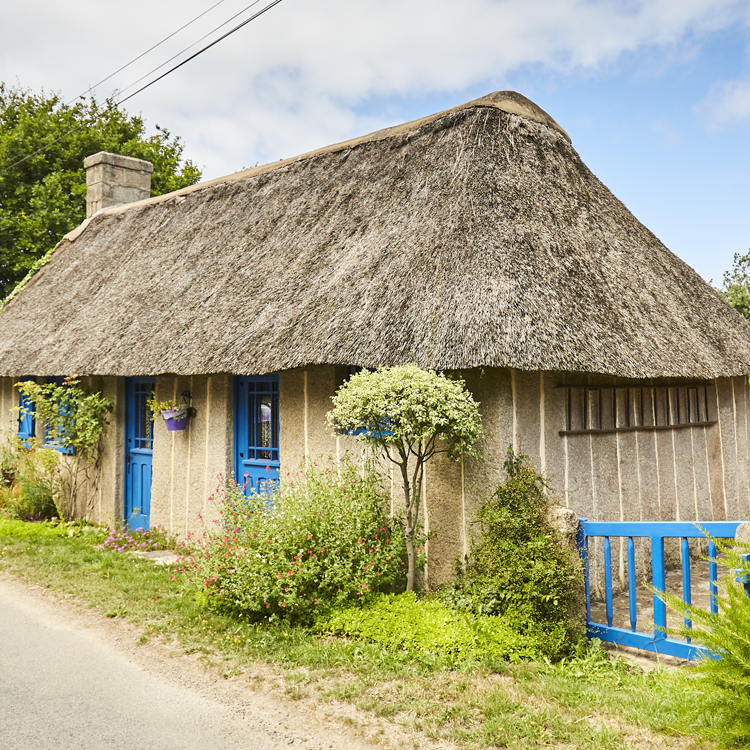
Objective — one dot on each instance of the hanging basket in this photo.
(175, 419)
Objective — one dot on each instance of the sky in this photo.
(655, 94)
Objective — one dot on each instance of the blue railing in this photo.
(657, 532)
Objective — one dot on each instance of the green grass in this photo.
(588, 702)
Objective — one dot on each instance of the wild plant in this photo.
(74, 420)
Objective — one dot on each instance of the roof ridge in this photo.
(506, 101)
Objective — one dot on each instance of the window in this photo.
(615, 408)
(26, 421)
(54, 441)
(256, 405)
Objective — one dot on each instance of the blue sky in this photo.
(655, 95)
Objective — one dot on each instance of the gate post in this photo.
(582, 543)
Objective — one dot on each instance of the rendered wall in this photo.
(685, 473)
(107, 501)
(186, 463)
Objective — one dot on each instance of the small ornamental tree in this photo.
(408, 415)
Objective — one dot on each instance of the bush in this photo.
(30, 477)
(75, 419)
(518, 567)
(404, 623)
(322, 540)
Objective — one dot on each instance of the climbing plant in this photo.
(73, 420)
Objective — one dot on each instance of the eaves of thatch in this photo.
(473, 238)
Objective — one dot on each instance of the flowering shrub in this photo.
(321, 540)
(142, 540)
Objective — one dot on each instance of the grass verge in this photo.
(407, 700)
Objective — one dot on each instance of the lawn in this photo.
(409, 700)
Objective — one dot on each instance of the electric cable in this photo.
(114, 105)
(201, 51)
(183, 51)
(150, 49)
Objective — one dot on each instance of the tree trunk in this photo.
(411, 560)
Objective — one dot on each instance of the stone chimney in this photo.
(112, 179)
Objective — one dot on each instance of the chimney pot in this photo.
(112, 179)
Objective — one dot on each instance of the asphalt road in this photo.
(69, 682)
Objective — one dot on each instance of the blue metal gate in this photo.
(657, 532)
(139, 450)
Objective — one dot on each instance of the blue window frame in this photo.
(52, 441)
(256, 431)
(26, 420)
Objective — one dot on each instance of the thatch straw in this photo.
(472, 238)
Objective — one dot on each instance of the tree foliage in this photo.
(44, 197)
(736, 286)
(408, 415)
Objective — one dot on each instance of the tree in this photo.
(409, 415)
(736, 286)
(44, 197)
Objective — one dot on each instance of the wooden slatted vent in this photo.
(591, 409)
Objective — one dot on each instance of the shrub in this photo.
(30, 476)
(323, 539)
(74, 420)
(404, 623)
(518, 567)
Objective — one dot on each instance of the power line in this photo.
(150, 49)
(163, 75)
(201, 51)
(183, 51)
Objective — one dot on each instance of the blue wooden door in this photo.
(139, 450)
(256, 431)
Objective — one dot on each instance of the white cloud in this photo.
(298, 76)
(727, 104)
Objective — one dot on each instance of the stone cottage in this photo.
(473, 240)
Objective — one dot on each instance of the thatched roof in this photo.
(475, 237)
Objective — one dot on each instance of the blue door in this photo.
(139, 451)
(256, 431)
